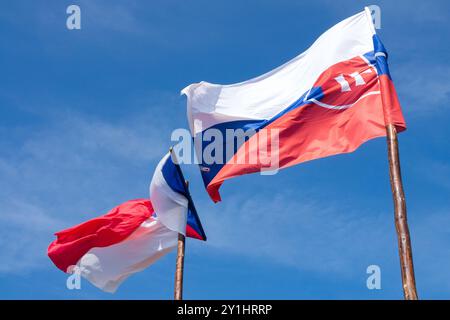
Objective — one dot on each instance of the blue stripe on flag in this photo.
(172, 177)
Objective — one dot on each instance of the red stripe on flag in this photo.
(190, 232)
(115, 226)
(392, 110)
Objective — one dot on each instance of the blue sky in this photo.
(87, 114)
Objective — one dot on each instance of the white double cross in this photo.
(359, 80)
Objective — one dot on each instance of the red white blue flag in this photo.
(108, 249)
(328, 100)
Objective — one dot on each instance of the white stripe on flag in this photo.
(108, 267)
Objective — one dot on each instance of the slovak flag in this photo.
(328, 100)
(108, 249)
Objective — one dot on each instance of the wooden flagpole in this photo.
(401, 223)
(179, 268)
(178, 294)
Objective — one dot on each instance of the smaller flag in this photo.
(108, 249)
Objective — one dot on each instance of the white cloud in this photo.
(25, 230)
(423, 89)
(300, 231)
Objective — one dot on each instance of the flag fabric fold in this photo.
(328, 100)
(171, 199)
(107, 249)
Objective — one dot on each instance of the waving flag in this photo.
(328, 100)
(132, 236)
